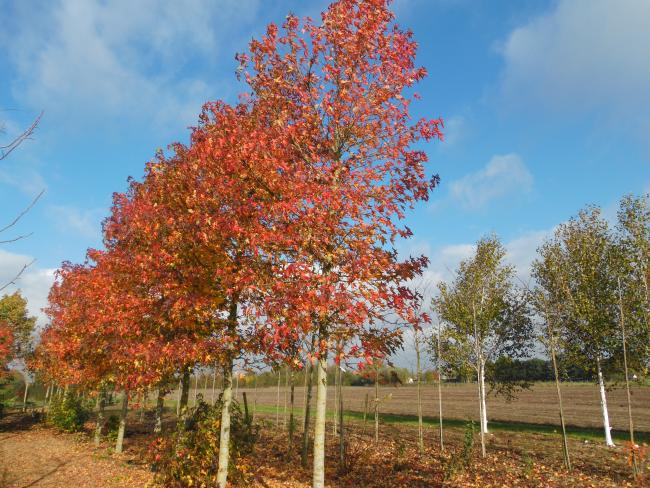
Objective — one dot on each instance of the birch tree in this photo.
(486, 316)
(581, 253)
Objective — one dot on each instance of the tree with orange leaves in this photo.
(337, 95)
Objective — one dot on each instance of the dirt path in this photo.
(32, 456)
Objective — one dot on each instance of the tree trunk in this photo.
(309, 377)
(627, 380)
(119, 444)
(319, 427)
(143, 401)
(340, 413)
(479, 377)
(25, 395)
(442, 440)
(185, 393)
(603, 406)
(160, 405)
(99, 424)
(480, 413)
(418, 373)
(365, 415)
(178, 398)
(376, 404)
(254, 397)
(336, 400)
(277, 401)
(286, 391)
(196, 389)
(565, 444)
(484, 420)
(291, 405)
(214, 382)
(224, 438)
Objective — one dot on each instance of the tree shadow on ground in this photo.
(17, 421)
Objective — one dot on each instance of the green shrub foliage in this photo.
(189, 457)
(68, 412)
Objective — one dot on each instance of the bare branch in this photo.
(22, 214)
(13, 280)
(8, 241)
(8, 149)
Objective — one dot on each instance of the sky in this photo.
(546, 108)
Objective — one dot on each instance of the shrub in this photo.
(68, 413)
(112, 427)
(190, 456)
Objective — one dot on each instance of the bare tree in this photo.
(5, 151)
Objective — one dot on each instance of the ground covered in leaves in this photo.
(33, 455)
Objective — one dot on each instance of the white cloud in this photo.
(522, 251)
(84, 222)
(582, 55)
(455, 130)
(121, 58)
(34, 283)
(503, 175)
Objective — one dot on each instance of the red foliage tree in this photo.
(339, 94)
(6, 347)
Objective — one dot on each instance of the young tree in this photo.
(14, 313)
(580, 254)
(486, 315)
(548, 301)
(632, 256)
(5, 150)
(338, 90)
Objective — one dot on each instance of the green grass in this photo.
(582, 433)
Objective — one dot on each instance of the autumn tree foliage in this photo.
(278, 221)
(340, 92)
(6, 347)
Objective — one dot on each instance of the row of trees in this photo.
(270, 235)
(589, 304)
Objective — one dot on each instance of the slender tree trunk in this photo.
(196, 390)
(565, 444)
(25, 395)
(479, 376)
(603, 406)
(309, 377)
(224, 438)
(340, 413)
(119, 444)
(143, 400)
(185, 393)
(635, 469)
(214, 382)
(418, 374)
(480, 412)
(336, 400)
(254, 397)
(178, 398)
(160, 409)
(99, 424)
(442, 440)
(319, 427)
(291, 405)
(365, 415)
(236, 385)
(484, 420)
(277, 400)
(377, 405)
(286, 391)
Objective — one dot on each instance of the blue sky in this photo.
(546, 107)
